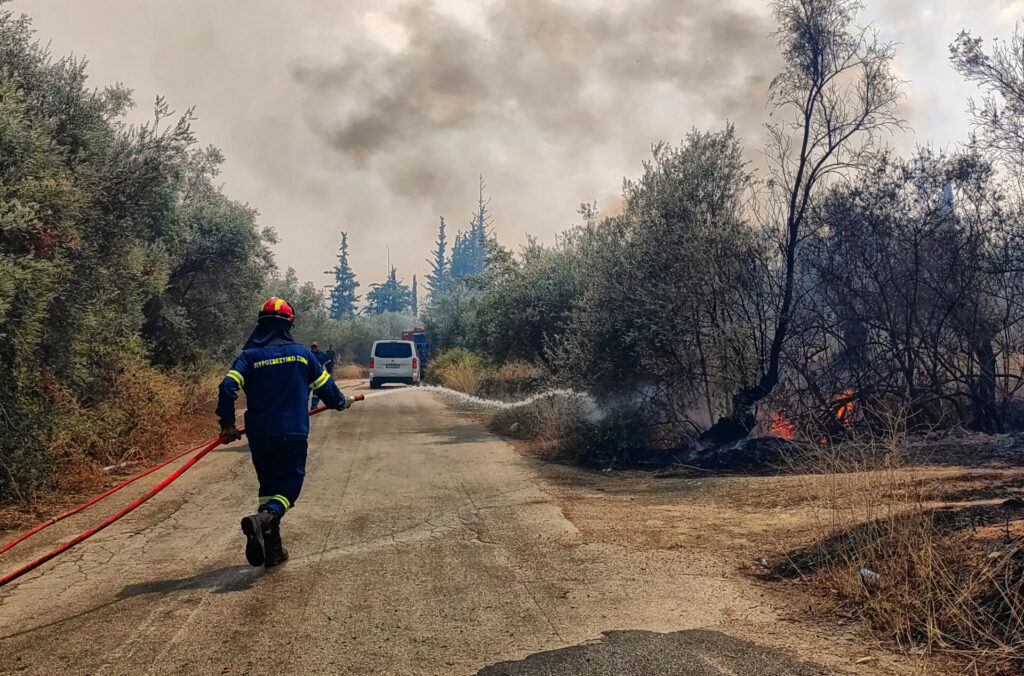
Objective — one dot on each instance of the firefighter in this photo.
(325, 362)
(276, 374)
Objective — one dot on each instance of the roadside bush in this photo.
(450, 318)
(118, 254)
(668, 313)
(513, 380)
(458, 369)
(548, 422)
(527, 304)
(349, 372)
(148, 412)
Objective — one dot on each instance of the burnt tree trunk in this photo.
(837, 80)
(741, 420)
(983, 387)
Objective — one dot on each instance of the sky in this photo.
(379, 117)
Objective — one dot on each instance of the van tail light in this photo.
(414, 363)
(371, 362)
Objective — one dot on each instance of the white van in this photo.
(394, 361)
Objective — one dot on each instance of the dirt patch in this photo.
(746, 525)
(737, 518)
(730, 527)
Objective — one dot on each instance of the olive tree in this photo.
(660, 326)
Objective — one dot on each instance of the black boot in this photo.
(256, 526)
(276, 553)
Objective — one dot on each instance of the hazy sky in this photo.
(377, 117)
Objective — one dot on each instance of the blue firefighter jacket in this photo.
(323, 358)
(276, 380)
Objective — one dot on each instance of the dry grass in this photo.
(461, 376)
(349, 372)
(147, 416)
(944, 577)
(543, 422)
(513, 380)
(460, 370)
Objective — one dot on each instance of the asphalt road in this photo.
(422, 544)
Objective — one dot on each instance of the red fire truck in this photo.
(419, 337)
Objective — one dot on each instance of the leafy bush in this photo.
(670, 291)
(527, 304)
(118, 252)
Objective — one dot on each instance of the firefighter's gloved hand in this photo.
(228, 429)
(346, 402)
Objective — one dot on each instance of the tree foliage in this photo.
(471, 252)
(848, 274)
(117, 251)
(839, 94)
(440, 266)
(663, 320)
(999, 118)
(393, 295)
(915, 293)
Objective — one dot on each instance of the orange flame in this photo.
(846, 408)
(781, 426)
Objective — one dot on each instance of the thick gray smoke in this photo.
(376, 116)
(533, 93)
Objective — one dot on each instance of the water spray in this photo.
(592, 411)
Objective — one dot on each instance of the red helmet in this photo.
(275, 307)
(314, 344)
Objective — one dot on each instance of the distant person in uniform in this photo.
(331, 356)
(323, 360)
(276, 374)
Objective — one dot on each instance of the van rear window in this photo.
(393, 350)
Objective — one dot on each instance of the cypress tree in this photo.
(469, 254)
(343, 294)
(440, 267)
(415, 298)
(391, 296)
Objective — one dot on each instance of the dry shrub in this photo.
(350, 372)
(145, 414)
(458, 369)
(462, 376)
(513, 379)
(943, 578)
(547, 423)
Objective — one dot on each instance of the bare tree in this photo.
(999, 118)
(836, 95)
(911, 302)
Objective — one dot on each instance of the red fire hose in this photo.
(76, 510)
(209, 446)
